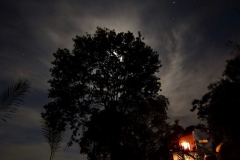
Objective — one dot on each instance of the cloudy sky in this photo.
(189, 35)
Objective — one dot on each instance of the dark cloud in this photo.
(190, 37)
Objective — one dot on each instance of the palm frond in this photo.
(12, 97)
(51, 132)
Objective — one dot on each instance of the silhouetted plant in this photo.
(52, 133)
(12, 97)
(107, 92)
(220, 106)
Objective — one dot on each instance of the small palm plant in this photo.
(52, 133)
(12, 97)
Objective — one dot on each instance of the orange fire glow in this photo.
(185, 145)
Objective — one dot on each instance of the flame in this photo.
(185, 145)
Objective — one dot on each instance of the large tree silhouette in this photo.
(219, 107)
(107, 92)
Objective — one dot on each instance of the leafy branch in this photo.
(12, 97)
(51, 132)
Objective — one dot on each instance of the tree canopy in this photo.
(107, 92)
(219, 107)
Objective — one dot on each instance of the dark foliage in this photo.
(52, 132)
(12, 97)
(220, 106)
(107, 92)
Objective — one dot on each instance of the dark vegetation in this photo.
(219, 108)
(12, 97)
(107, 93)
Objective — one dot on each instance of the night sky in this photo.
(189, 35)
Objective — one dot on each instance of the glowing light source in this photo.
(119, 57)
(219, 147)
(175, 156)
(203, 141)
(185, 145)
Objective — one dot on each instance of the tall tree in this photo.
(219, 107)
(12, 97)
(107, 92)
